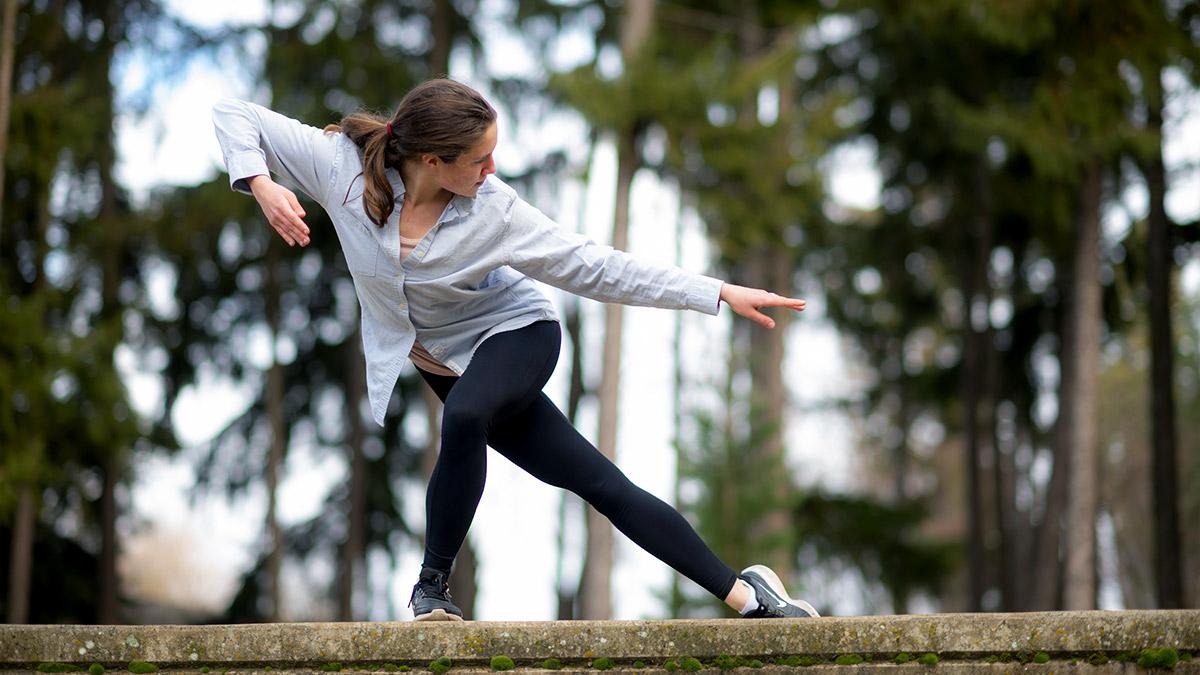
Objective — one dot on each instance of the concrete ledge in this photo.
(977, 642)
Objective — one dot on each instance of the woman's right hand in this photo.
(282, 209)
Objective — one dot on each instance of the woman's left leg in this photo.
(542, 441)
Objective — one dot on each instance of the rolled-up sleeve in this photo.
(536, 246)
(255, 141)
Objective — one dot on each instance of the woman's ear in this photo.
(431, 161)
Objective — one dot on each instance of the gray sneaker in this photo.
(430, 599)
(773, 600)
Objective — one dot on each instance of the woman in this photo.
(442, 254)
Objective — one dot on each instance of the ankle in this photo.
(739, 595)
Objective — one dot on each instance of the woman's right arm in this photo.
(256, 142)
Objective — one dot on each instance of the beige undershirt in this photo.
(420, 357)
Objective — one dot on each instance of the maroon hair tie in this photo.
(389, 129)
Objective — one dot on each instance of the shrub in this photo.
(690, 664)
(848, 660)
(142, 667)
(95, 669)
(502, 663)
(928, 659)
(552, 664)
(602, 663)
(1041, 657)
(903, 657)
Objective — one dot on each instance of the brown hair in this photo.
(437, 117)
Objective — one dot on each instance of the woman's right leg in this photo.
(542, 441)
(506, 373)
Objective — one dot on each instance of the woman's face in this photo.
(464, 175)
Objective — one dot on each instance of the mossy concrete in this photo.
(960, 641)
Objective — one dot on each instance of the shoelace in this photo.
(429, 588)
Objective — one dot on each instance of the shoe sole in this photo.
(438, 615)
(768, 575)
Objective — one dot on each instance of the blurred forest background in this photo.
(1029, 365)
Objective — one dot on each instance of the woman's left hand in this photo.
(746, 301)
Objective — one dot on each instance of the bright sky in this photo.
(516, 581)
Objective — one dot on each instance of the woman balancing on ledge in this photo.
(442, 254)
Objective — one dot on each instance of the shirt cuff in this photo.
(243, 165)
(703, 294)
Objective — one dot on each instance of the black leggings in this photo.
(499, 402)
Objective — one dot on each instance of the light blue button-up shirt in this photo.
(468, 278)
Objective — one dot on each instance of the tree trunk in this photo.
(106, 601)
(354, 550)
(675, 592)
(1046, 556)
(275, 416)
(772, 535)
(21, 555)
(572, 321)
(595, 587)
(112, 242)
(1159, 265)
(8, 42)
(25, 518)
(439, 54)
(1079, 592)
(971, 393)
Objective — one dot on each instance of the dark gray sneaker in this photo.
(430, 600)
(773, 600)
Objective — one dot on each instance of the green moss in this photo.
(142, 667)
(552, 664)
(1166, 657)
(1097, 659)
(56, 667)
(445, 661)
(848, 660)
(639, 664)
(332, 667)
(671, 666)
(755, 663)
(204, 669)
(393, 668)
(804, 660)
(903, 657)
(501, 662)
(1041, 657)
(727, 662)
(690, 664)
(1186, 656)
(95, 669)
(928, 659)
(602, 663)
(267, 669)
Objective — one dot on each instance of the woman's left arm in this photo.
(538, 247)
